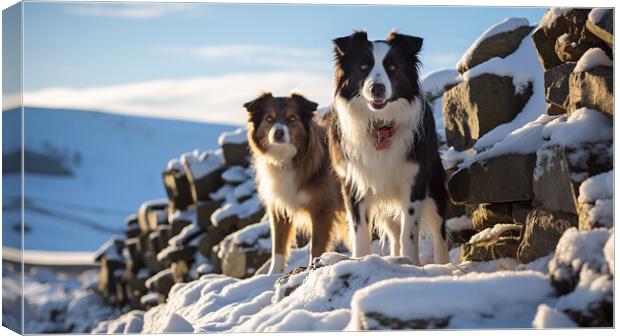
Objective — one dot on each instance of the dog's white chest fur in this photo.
(277, 185)
(382, 173)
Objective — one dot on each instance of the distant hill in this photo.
(86, 170)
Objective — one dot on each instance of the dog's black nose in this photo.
(278, 134)
(377, 90)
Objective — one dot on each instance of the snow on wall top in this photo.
(202, 164)
(578, 248)
(508, 24)
(235, 174)
(524, 140)
(493, 232)
(456, 298)
(237, 136)
(591, 58)
(459, 224)
(524, 67)
(553, 14)
(175, 164)
(435, 82)
(583, 125)
(600, 186)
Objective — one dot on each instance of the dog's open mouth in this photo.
(377, 103)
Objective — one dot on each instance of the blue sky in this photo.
(114, 56)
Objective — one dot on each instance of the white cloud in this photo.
(125, 10)
(257, 55)
(211, 99)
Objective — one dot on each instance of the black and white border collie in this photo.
(383, 145)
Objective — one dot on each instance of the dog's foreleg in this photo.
(323, 219)
(281, 233)
(410, 231)
(411, 220)
(393, 231)
(359, 226)
(436, 226)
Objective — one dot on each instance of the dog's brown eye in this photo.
(364, 66)
(391, 67)
(292, 119)
(269, 119)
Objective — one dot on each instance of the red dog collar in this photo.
(382, 136)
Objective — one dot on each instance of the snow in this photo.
(524, 140)
(156, 277)
(331, 286)
(597, 187)
(187, 233)
(597, 14)
(55, 302)
(320, 297)
(451, 157)
(47, 258)
(592, 287)
(245, 189)
(591, 58)
(466, 301)
(493, 232)
(202, 164)
(131, 322)
(175, 164)
(434, 83)
(109, 250)
(583, 125)
(234, 174)
(524, 67)
(242, 210)
(254, 235)
(459, 224)
(185, 215)
(223, 193)
(553, 14)
(539, 265)
(237, 136)
(176, 323)
(116, 160)
(547, 317)
(576, 249)
(506, 25)
(596, 200)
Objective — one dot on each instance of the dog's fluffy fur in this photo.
(400, 187)
(295, 181)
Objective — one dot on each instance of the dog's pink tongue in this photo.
(378, 101)
(382, 144)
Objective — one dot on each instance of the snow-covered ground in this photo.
(116, 163)
(379, 292)
(340, 293)
(56, 301)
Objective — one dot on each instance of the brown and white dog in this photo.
(295, 179)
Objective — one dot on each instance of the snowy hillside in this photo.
(110, 164)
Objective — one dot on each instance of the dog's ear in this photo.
(305, 106)
(410, 44)
(255, 106)
(342, 45)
